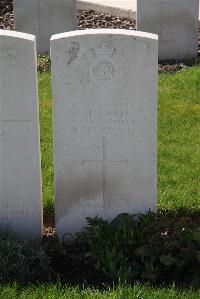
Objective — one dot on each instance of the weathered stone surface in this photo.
(44, 18)
(176, 23)
(20, 180)
(105, 107)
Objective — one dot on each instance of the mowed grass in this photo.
(61, 292)
(45, 97)
(178, 140)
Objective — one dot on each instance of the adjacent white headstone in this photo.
(20, 180)
(176, 23)
(44, 18)
(105, 107)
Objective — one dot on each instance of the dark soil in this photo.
(85, 19)
(181, 216)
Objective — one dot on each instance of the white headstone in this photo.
(105, 107)
(176, 23)
(44, 18)
(20, 180)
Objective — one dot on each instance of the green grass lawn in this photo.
(178, 140)
(61, 292)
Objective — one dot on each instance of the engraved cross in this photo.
(105, 161)
(163, 34)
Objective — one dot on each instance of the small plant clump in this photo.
(43, 63)
(145, 247)
(22, 260)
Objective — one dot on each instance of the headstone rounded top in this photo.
(17, 34)
(132, 33)
(105, 113)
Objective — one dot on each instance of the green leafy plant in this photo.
(147, 247)
(113, 244)
(43, 63)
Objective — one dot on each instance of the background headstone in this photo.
(176, 23)
(44, 18)
(20, 180)
(105, 107)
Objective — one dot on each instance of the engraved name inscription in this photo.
(118, 117)
(169, 32)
